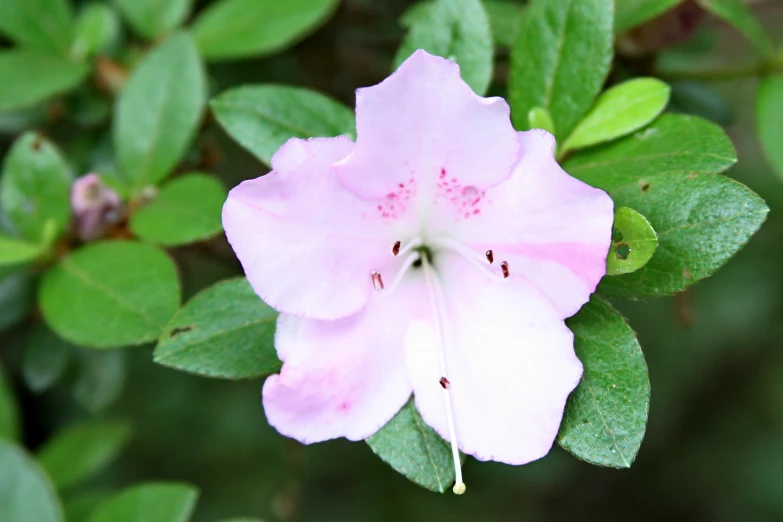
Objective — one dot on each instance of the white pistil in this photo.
(472, 257)
(437, 303)
(400, 274)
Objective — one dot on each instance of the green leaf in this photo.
(96, 28)
(79, 506)
(225, 331)
(769, 119)
(504, 20)
(26, 495)
(633, 242)
(36, 77)
(666, 173)
(619, 111)
(187, 209)
(263, 117)
(606, 415)
(630, 13)
(739, 15)
(458, 30)
(539, 118)
(241, 520)
(152, 18)
(560, 60)
(149, 502)
(9, 413)
(415, 450)
(35, 188)
(101, 378)
(81, 451)
(41, 25)
(15, 251)
(231, 29)
(45, 358)
(159, 110)
(110, 294)
(17, 295)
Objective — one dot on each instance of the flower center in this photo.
(419, 255)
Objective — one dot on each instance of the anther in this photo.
(504, 268)
(396, 248)
(377, 282)
(490, 256)
(445, 383)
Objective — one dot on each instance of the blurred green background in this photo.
(714, 445)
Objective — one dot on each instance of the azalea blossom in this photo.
(437, 256)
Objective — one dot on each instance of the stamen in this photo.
(437, 303)
(377, 282)
(490, 256)
(469, 255)
(396, 248)
(504, 267)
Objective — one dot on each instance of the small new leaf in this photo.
(769, 119)
(149, 502)
(633, 242)
(539, 118)
(37, 77)
(630, 13)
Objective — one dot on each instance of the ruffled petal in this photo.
(554, 230)
(510, 362)
(423, 126)
(344, 378)
(308, 245)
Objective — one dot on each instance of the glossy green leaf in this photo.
(26, 495)
(37, 76)
(110, 294)
(41, 25)
(187, 209)
(560, 60)
(458, 30)
(159, 110)
(35, 188)
(505, 16)
(101, 378)
(17, 295)
(619, 111)
(149, 502)
(9, 413)
(630, 13)
(230, 29)
(738, 14)
(415, 450)
(45, 358)
(153, 18)
(225, 331)
(81, 451)
(606, 415)
(16, 251)
(263, 117)
(769, 119)
(539, 118)
(666, 172)
(633, 242)
(96, 29)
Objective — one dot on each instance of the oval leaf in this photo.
(152, 18)
(97, 27)
(458, 30)
(36, 77)
(159, 110)
(620, 110)
(26, 495)
(630, 13)
(225, 331)
(187, 209)
(111, 294)
(9, 413)
(80, 451)
(243, 28)
(539, 118)
(633, 242)
(17, 295)
(739, 15)
(560, 60)
(415, 450)
(769, 119)
(41, 25)
(263, 117)
(35, 188)
(151, 502)
(14, 251)
(606, 415)
(45, 358)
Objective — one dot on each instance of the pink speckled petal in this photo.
(308, 246)
(553, 229)
(510, 361)
(343, 378)
(424, 122)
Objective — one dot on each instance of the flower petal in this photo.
(344, 378)
(510, 362)
(308, 246)
(424, 122)
(554, 230)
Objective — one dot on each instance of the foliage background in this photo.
(714, 444)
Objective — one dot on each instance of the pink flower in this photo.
(95, 207)
(438, 255)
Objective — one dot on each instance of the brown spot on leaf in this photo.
(180, 329)
(687, 274)
(645, 187)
